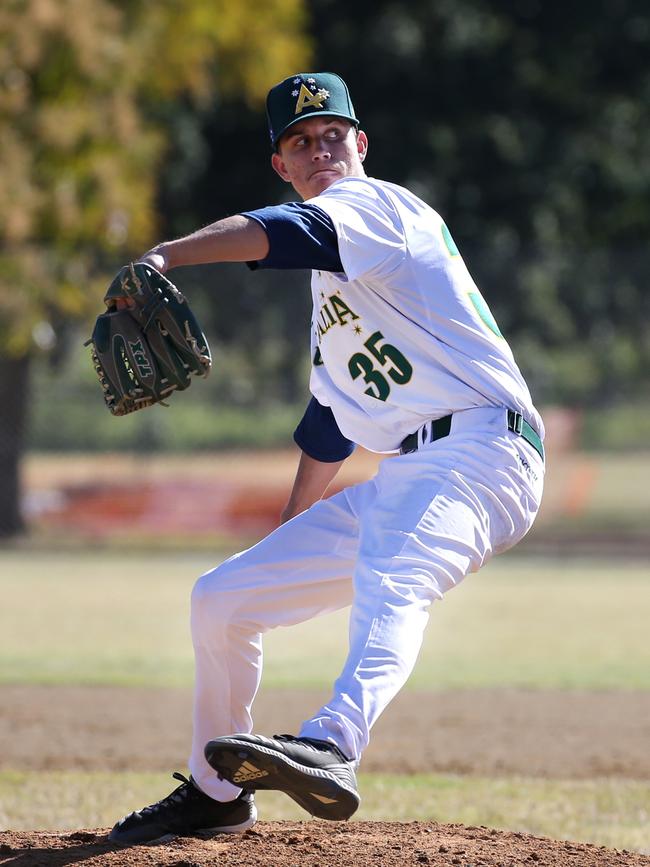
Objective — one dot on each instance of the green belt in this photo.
(518, 424)
(441, 427)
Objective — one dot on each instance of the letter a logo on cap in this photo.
(306, 99)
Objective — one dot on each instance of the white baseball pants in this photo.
(388, 547)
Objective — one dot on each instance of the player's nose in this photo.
(321, 150)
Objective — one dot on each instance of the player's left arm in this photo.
(324, 450)
(313, 478)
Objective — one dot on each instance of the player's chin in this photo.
(320, 181)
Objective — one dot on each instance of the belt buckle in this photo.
(516, 422)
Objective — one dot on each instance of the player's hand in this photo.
(156, 258)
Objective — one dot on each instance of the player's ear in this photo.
(362, 144)
(278, 164)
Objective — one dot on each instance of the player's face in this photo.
(317, 151)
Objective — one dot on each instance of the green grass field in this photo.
(102, 618)
(106, 618)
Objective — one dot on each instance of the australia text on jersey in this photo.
(333, 311)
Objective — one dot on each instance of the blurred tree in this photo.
(84, 87)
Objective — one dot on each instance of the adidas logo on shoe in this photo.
(248, 772)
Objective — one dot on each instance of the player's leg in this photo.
(433, 516)
(438, 514)
(315, 769)
(302, 569)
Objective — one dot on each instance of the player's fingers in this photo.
(123, 303)
(156, 258)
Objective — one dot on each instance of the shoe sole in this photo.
(253, 767)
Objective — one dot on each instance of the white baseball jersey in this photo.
(403, 335)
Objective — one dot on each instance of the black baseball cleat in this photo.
(314, 773)
(184, 812)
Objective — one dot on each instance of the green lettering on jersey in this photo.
(450, 244)
(484, 312)
(341, 309)
(326, 312)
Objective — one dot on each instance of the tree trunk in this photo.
(14, 379)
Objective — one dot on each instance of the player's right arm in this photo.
(233, 239)
(296, 235)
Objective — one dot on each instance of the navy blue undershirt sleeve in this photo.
(300, 236)
(319, 435)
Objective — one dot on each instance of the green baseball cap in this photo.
(305, 94)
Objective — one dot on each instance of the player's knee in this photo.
(213, 597)
(206, 591)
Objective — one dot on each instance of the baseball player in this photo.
(407, 360)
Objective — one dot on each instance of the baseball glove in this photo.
(148, 344)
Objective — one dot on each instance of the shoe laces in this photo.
(178, 796)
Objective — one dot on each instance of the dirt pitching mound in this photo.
(313, 844)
